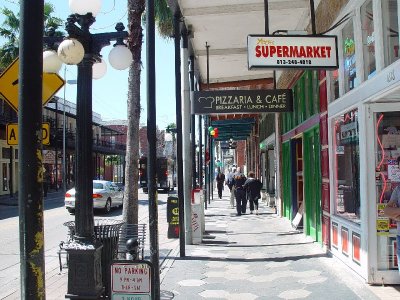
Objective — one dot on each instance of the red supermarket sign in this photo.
(294, 52)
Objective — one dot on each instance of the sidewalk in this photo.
(260, 257)
(7, 200)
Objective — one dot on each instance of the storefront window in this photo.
(349, 57)
(387, 177)
(390, 31)
(5, 153)
(334, 85)
(368, 36)
(347, 166)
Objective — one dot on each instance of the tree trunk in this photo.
(135, 39)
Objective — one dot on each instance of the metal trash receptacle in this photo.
(173, 217)
(107, 232)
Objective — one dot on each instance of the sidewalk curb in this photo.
(168, 262)
(8, 201)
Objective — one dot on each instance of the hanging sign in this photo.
(294, 52)
(242, 101)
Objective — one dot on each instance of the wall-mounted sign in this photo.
(242, 101)
(349, 133)
(294, 52)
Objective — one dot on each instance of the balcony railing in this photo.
(102, 146)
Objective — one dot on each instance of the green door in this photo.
(286, 180)
(312, 184)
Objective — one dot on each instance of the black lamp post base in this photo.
(84, 271)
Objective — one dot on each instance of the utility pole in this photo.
(152, 142)
(30, 196)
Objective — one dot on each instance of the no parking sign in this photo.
(131, 280)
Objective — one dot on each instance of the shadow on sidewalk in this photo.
(247, 260)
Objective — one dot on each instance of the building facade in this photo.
(61, 149)
(340, 145)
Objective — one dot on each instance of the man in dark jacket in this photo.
(220, 182)
(240, 194)
(253, 189)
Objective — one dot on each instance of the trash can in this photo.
(173, 217)
(107, 232)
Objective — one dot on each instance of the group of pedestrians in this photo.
(242, 190)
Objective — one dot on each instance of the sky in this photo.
(110, 91)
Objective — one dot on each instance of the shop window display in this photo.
(368, 37)
(334, 85)
(387, 177)
(349, 57)
(390, 31)
(347, 166)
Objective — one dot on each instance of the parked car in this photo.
(106, 194)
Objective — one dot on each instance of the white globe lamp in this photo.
(82, 7)
(120, 57)
(71, 52)
(51, 62)
(99, 69)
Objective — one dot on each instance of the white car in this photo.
(106, 194)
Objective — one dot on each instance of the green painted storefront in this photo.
(301, 148)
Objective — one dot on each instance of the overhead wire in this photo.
(344, 19)
(114, 23)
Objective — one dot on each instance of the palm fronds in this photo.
(163, 18)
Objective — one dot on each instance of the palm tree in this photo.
(164, 24)
(10, 31)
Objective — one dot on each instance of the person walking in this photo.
(253, 189)
(240, 194)
(220, 178)
(46, 182)
(229, 183)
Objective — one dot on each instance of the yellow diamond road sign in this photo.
(52, 83)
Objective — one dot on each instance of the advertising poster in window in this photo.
(393, 170)
(382, 227)
(381, 211)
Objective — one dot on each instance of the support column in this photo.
(152, 142)
(206, 165)
(179, 159)
(193, 125)
(186, 123)
(200, 164)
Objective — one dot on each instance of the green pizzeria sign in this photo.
(242, 101)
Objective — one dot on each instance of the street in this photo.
(54, 216)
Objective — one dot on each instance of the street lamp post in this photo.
(83, 48)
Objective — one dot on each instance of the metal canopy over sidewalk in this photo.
(222, 26)
(235, 129)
